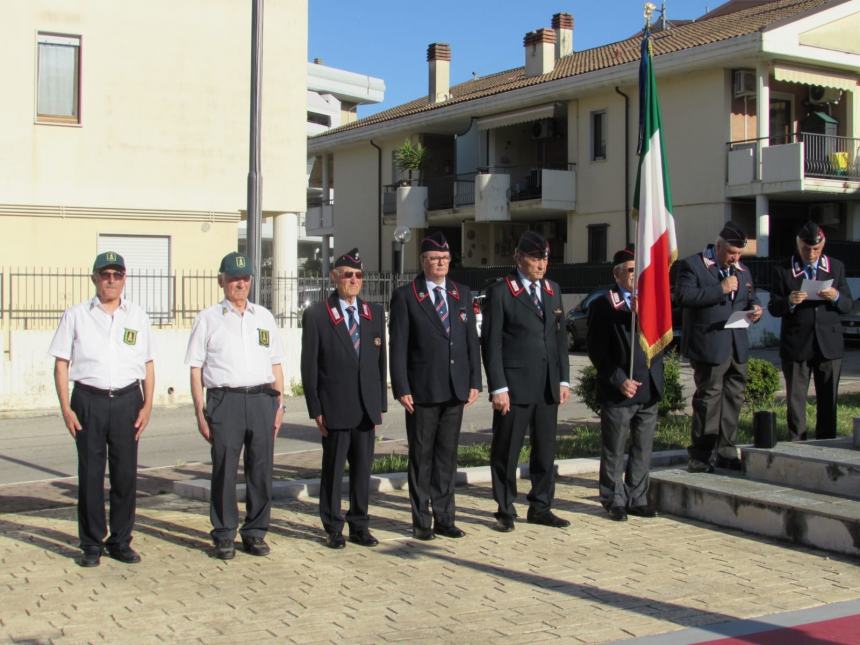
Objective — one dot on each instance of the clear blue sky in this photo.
(389, 39)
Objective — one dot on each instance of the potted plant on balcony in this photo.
(410, 157)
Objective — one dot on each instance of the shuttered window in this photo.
(147, 262)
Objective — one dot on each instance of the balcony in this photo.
(806, 162)
(407, 202)
(319, 219)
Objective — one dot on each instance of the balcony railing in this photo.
(826, 156)
(450, 191)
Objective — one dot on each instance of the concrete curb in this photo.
(306, 488)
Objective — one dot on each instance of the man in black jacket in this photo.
(524, 344)
(344, 378)
(435, 370)
(628, 404)
(711, 286)
(810, 338)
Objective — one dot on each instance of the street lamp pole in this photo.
(255, 180)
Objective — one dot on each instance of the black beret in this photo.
(622, 256)
(435, 242)
(533, 244)
(811, 233)
(734, 235)
(349, 259)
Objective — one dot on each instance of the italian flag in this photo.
(656, 247)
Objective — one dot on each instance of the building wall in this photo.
(162, 147)
(356, 206)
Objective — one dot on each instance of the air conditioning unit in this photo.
(543, 129)
(744, 82)
(819, 95)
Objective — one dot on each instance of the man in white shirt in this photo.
(235, 352)
(104, 346)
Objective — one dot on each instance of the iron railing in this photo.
(827, 156)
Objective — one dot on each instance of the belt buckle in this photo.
(110, 393)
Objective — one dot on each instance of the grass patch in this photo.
(673, 432)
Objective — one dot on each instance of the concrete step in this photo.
(829, 466)
(807, 518)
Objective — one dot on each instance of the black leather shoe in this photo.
(697, 466)
(90, 558)
(225, 550)
(642, 511)
(124, 553)
(255, 546)
(547, 518)
(422, 534)
(449, 531)
(335, 540)
(363, 538)
(617, 514)
(504, 523)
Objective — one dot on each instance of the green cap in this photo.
(235, 264)
(108, 259)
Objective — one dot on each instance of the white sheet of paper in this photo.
(812, 287)
(738, 320)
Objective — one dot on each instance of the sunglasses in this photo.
(631, 269)
(107, 275)
(346, 275)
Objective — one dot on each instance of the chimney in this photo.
(439, 59)
(562, 25)
(539, 46)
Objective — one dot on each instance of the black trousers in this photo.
(433, 432)
(353, 445)
(508, 434)
(239, 421)
(107, 436)
(826, 374)
(620, 486)
(716, 408)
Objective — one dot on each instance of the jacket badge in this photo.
(263, 337)
(377, 341)
(129, 336)
(420, 296)
(463, 316)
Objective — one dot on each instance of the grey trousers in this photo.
(826, 375)
(619, 486)
(716, 408)
(239, 421)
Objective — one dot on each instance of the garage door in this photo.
(147, 262)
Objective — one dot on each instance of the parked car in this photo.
(577, 321)
(851, 323)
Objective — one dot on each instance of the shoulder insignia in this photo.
(740, 267)
(796, 267)
(824, 263)
(334, 314)
(708, 261)
(617, 301)
(514, 286)
(420, 296)
(366, 311)
(548, 288)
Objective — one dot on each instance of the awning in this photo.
(520, 116)
(809, 76)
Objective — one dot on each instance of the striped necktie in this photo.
(353, 328)
(810, 272)
(535, 298)
(442, 309)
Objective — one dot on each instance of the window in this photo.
(597, 242)
(58, 85)
(319, 119)
(598, 135)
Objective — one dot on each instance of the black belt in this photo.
(112, 393)
(251, 389)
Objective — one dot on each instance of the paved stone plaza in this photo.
(597, 581)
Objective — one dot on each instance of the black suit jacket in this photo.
(338, 384)
(523, 351)
(425, 361)
(609, 320)
(812, 319)
(706, 309)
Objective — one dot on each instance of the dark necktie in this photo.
(353, 328)
(535, 299)
(442, 309)
(810, 272)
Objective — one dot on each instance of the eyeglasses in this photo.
(631, 269)
(346, 275)
(107, 275)
(441, 259)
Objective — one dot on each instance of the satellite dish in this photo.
(402, 234)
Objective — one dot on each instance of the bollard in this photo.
(857, 433)
(764, 429)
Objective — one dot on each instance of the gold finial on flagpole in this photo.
(649, 9)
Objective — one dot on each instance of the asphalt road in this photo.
(37, 447)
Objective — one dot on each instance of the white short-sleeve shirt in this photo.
(107, 351)
(235, 349)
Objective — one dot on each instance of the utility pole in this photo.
(255, 179)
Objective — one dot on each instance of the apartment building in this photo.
(761, 124)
